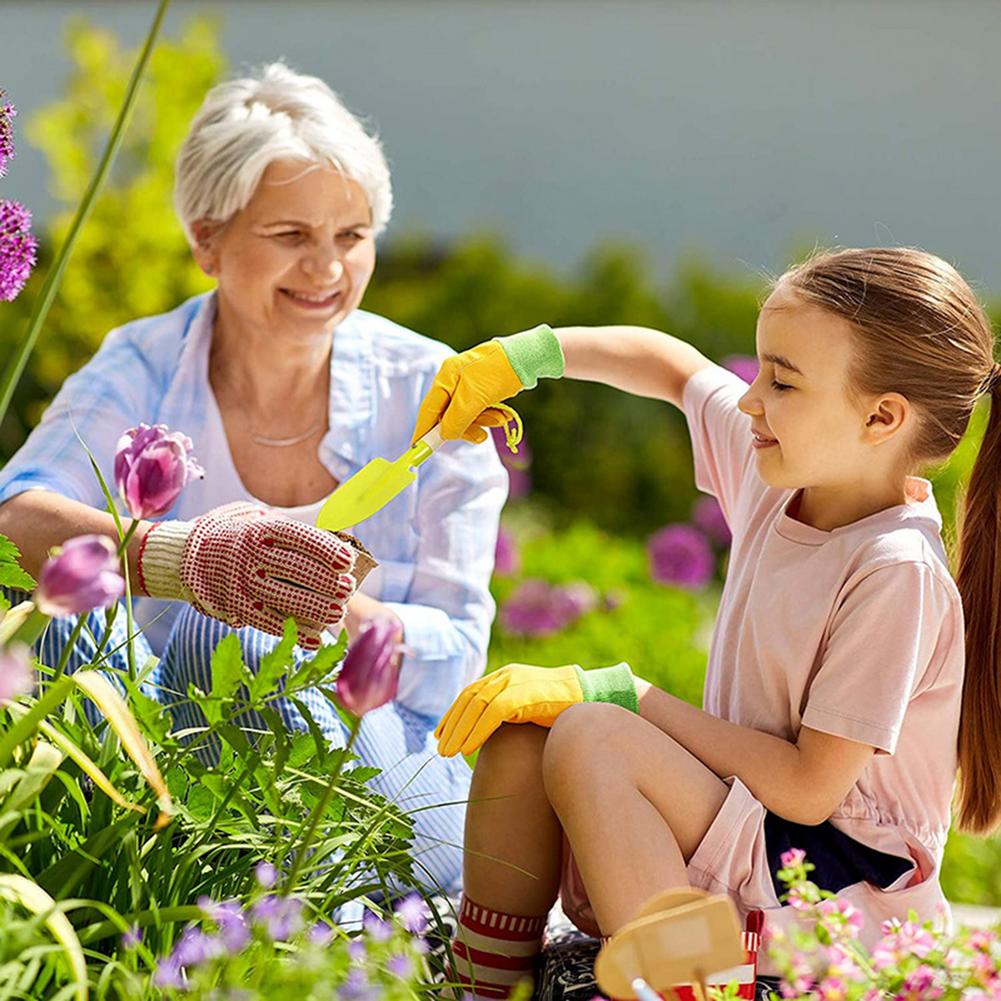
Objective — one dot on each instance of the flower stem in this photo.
(319, 810)
(52, 280)
(123, 546)
(69, 645)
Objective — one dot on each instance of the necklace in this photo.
(259, 439)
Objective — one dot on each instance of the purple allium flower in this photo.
(152, 466)
(131, 938)
(575, 599)
(376, 928)
(708, 516)
(681, 555)
(744, 366)
(18, 248)
(531, 610)
(266, 875)
(81, 575)
(281, 917)
(413, 913)
(401, 966)
(16, 674)
(517, 465)
(506, 558)
(7, 112)
(370, 675)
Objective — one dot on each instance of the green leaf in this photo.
(228, 669)
(275, 664)
(11, 572)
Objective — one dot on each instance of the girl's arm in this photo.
(802, 782)
(637, 360)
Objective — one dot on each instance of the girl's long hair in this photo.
(921, 332)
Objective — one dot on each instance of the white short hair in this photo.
(244, 125)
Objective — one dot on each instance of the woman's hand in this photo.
(362, 608)
(469, 384)
(248, 567)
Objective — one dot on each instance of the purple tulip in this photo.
(152, 467)
(82, 575)
(708, 516)
(745, 366)
(370, 675)
(18, 248)
(16, 675)
(681, 555)
(506, 558)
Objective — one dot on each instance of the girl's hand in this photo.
(469, 384)
(520, 693)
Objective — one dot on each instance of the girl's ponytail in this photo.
(979, 580)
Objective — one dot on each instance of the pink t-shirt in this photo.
(856, 632)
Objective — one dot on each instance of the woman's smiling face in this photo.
(807, 430)
(298, 258)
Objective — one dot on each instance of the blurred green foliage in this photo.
(608, 469)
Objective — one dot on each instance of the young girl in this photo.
(835, 690)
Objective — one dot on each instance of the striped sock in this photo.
(494, 951)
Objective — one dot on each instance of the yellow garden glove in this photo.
(469, 384)
(520, 693)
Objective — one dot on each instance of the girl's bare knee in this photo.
(570, 757)
(514, 747)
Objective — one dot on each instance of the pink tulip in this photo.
(370, 675)
(152, 467)
(16, 675)
(83, 574)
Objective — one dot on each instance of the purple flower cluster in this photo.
(152, 466)
(7, 112)
(517, 465)
(18, 248)
(683, 554)
(537, 608)
(274, 919)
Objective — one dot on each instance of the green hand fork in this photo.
(375, 485)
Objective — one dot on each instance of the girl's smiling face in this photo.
(808, 429)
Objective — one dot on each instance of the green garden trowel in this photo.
(375, 485)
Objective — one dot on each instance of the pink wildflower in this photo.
(793, 857)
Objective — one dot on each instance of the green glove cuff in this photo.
(534, 354)
(610, 684)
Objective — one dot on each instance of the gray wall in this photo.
(740, 129)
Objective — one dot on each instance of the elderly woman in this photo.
(286, 389)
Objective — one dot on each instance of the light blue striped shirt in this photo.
(435, 542)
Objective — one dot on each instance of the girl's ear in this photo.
(886, 416)
(205, 232)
